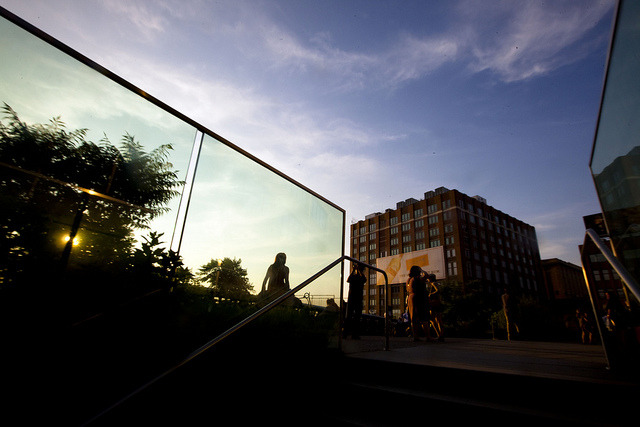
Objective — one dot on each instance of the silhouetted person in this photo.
(435, 306)
(418, 303)
(507, 308)
(356, 281)
(276, 281)
(586, 331)
(614, 311)
(332, 306)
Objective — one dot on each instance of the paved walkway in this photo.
(539, 359)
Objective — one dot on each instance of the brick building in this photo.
(479, 242)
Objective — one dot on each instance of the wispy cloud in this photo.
(514, 40)
(144, 16)
(524, 39)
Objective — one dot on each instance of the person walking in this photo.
(356, 281)
(435, 305)
(507, 308)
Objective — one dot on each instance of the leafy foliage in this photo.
(54, 182)
(468, 308)
(154, 261)
(226, 278)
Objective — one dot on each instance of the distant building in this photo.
(563, 280)
(602, 276)
(479, 243)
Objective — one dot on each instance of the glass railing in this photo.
(615, 158)
(132, 235)
(619, 349)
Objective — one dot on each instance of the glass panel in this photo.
(91, 179)
(242, 210)
(615, 163)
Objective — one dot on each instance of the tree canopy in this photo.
(226, 278)
(55, 182)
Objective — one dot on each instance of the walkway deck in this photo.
(565, 361)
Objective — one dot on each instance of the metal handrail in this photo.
(626, 278)
(249, 319)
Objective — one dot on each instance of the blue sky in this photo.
(372, 102)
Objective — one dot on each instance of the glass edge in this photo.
(25, 25)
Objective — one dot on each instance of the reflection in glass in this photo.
(615, 161)
(41, 83)
(240, 209)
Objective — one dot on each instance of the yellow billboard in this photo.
(397, 266)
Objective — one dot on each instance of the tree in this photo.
(55, 183)
(151, 261)
(226, 278)
(468, 308)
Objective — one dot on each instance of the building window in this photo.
(393, 220)
(372, 227)
(432, 208)
(434, 232)
(434, 243)
(446, 204)
(452, 268)
(433, 219)
(394, 230)
(406, 217)
(394, 241)
(417, 213)
(406, 227)
(395, 251)
(420, 246)
(419, 223)
(406, 238)
(419, 235)
(406, 249)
